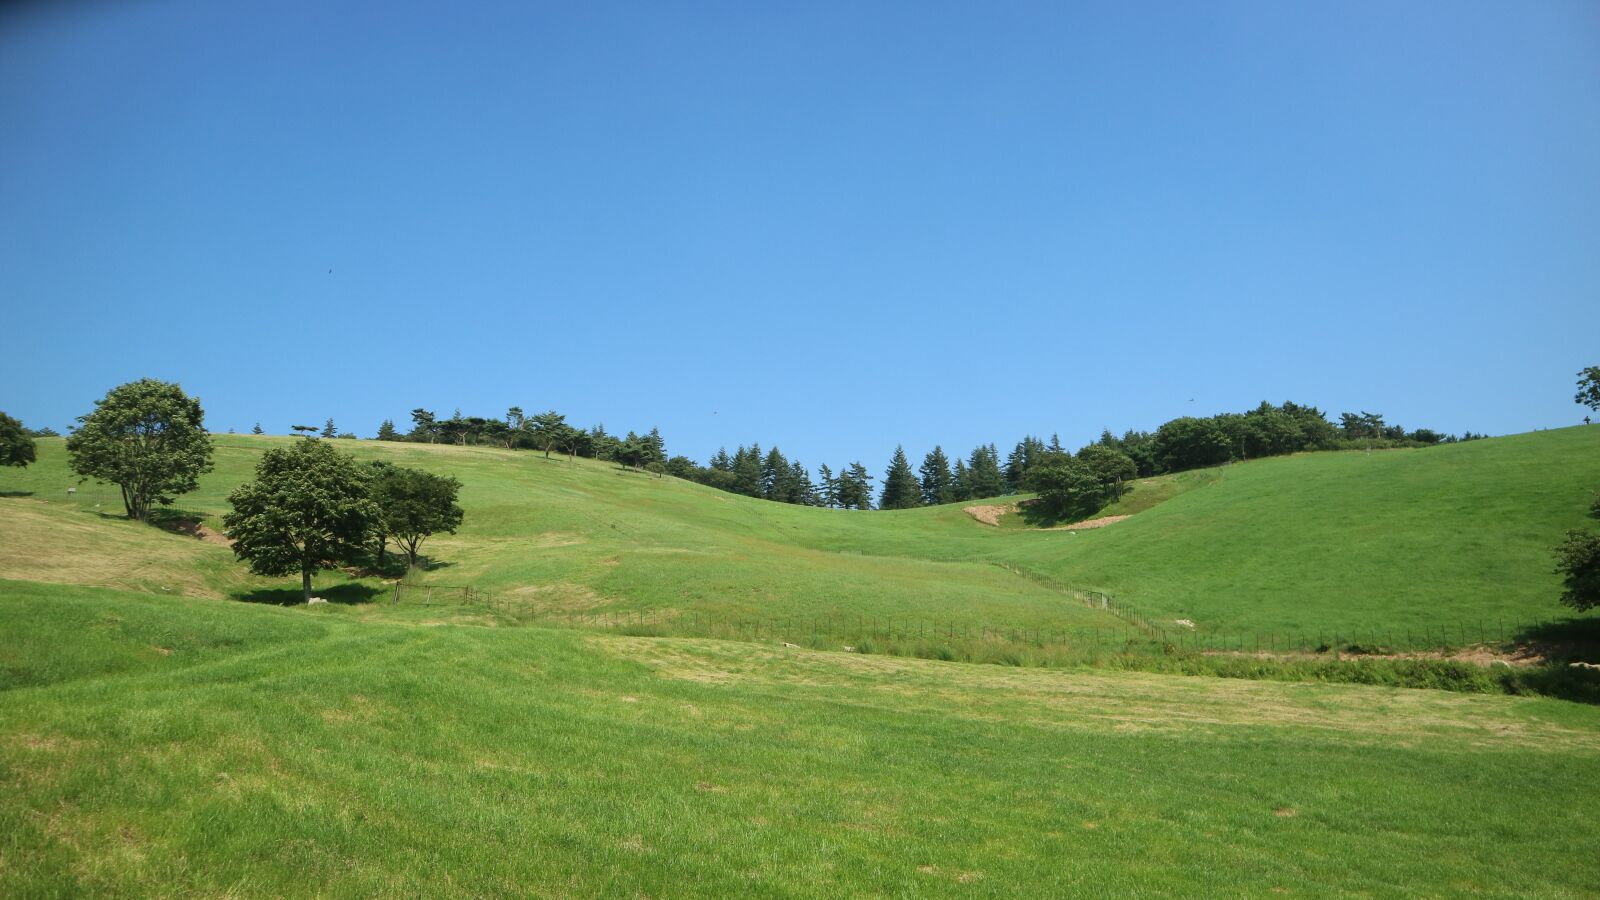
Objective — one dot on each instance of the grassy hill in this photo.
(1391, 542)
(159, 746)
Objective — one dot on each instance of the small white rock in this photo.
(315, 600)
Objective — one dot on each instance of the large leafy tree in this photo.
(1109, 466)
(1578, 562)
(1589, 388)
(310, 507)
(147, 437)
(1066, 486)
(901, 490)
(1191, 443)
(16, 444)
(413, 505)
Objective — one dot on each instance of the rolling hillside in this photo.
(1392, 540)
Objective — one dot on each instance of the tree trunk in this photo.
(305, 584)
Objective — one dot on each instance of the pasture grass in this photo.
(158, 746)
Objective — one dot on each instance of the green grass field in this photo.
(1391, 542)
(157, 739)
(158, 746)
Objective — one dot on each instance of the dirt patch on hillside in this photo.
(988, 515)
(1101, 522)
(199, 531)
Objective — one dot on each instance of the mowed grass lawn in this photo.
(156, 746)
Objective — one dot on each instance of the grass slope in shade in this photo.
(190, 747)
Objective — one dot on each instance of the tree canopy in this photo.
(310, 507)
(16, 444)
(1589, 388)
(147, 437)
(412, 505)
(1578, 564)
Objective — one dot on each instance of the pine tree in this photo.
(386, 431)
(855, 487)
(901, 489)
(960, 483)
(747, 471)
(983, 473)
(774, 475)
(722, 462)
(827, 487)
(656, 446)
(257, 429)
(801, 490)
(936, 478)
(328, 430)
(1055, 444)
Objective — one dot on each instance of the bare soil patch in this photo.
(1101, 522)
(989, 515)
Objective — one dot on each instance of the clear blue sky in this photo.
(836, 227)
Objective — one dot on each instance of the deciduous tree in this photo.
(16, 444)
(147, 437)
(1578, 564)
(1589, 388)
(412, 505)
(310, 507)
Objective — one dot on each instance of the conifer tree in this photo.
(801, 490)
(747, 471)
(901, 490)
(936, 478)
(328, 430)
(775, 475)
(855, 487)
(386, 431)
(257, 429)
(960, 483)
(827, 487)
(656, 446)
(722, 462)
(983, 473)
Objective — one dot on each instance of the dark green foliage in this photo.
(147, 437)
(1066, 486)
(853, 489)
(1190, 443)
(310, 507)
(328, 430)
(901, 490)
(747, 471)
(386, 431)
(937, 483)
(1110, 467)
(960, 483)
(1589, 388)
(827, 487)
(423, 426)
(304, 430)
(257, 429)
(984, 478)
(1028, 451)
(548, 430)
(774, 475)
(413, 504)
(16, 445)
(1578, 564)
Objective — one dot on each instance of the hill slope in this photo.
(1396, 540)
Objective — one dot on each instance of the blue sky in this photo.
(836, 227)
